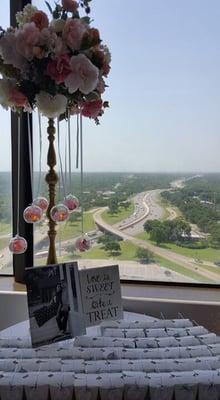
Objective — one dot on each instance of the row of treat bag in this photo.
(63, 300)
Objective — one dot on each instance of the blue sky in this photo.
(164, 88)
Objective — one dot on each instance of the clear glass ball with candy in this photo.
(59, 213)
(83, 243)
(71, 202)
(18, 245)
(41, 202)
(32, 214)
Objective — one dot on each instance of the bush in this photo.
(145, 256)
(193, 245)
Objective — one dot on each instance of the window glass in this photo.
(152, 165)
(5, 174)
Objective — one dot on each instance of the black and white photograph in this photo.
(54, 303)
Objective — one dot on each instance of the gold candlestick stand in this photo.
(51, 179)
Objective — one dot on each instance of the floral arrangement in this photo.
(58, 66)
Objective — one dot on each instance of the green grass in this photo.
(73, 229)
(5, 228)
(122, 214)
(4, 242)
(144, 236)
(181, 270)
(165, 205)
(128, 252)
(207, 254)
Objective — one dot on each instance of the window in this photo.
(5, 175)
(153, 159)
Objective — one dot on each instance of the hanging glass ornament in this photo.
(83, 243)
(41, 202)
(18, 245)
(32, 214)
(59, 213)
(71, 202)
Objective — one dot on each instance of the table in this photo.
(137, 358)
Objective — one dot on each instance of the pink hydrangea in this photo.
(59, 68)
(26, 39)
(40, 19)
(70, 5)
(84, 75)
(92, 109)
(73, 33)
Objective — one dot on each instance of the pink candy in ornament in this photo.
(71, 202)
(83, 243)
(32, 214)
(18, 245)
(59, 213)
(41, 202)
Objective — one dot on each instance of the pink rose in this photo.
(40, 19)
(92, 109)
(70, 5)
(73, 32)
(84, 75)
(17, 98)
(27, 38)
(59, 68)
(90, 38)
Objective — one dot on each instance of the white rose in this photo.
(51, 106)
(57, 25)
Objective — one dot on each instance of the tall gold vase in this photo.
(51, 179)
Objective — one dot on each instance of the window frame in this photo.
(20, 262)
(23, 260)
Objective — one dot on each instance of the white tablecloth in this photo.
(136, 358)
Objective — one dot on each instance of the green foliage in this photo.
(70, 248)
(113, 206)
(167, 231)
(110, 243)
(199, 201)
(113, 247)
(144, 256)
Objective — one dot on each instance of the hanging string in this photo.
(77, 141)
(69, 144)
(81, 171)
(18, 176)
(60, 158)
(30, 152)
(65, 173)
(40, 156)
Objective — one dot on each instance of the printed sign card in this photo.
(54, 302)
(62, 300)
(101, 294)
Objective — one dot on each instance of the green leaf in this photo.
(49, 7)
(86, 20)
